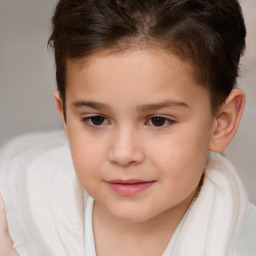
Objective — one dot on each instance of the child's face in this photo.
(137, 117)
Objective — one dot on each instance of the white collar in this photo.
(89, 235)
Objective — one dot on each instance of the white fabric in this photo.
(212, 226)
(44, 202)
(24, 142)
(45, 207)
(246, 241)
(89, 234)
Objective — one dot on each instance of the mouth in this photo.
(129, 187)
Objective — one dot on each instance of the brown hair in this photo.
(209, 34)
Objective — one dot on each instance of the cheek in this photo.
(86, 155)
(182, 158)
(86, 165)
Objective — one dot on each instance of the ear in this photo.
(227, 120)
(60, 108)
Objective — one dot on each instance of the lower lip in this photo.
(130, 189)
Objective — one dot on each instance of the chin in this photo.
(131, 215)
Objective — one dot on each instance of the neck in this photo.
(156, 232)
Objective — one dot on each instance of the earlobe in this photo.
(227, 121)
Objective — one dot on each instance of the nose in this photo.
(126, 149)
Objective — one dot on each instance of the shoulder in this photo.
(223, 175)
(43, 196)
(19, 164)
(246, 240)
(34, 152)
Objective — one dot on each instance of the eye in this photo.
(95, 120)
(159, 121)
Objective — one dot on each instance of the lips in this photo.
(129, 187)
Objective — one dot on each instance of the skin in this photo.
(126, 92)
(6, 243)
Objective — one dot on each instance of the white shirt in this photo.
(89, 235)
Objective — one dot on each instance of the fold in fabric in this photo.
(45, 206)
(213, 223)
(44, 202)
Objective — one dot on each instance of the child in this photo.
(146, 91)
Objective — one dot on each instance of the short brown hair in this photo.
(210, 34)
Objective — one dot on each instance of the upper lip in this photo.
(129, 181)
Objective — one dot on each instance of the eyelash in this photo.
(166, 121)
(88, 120)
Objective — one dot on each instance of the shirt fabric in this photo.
(89, 235)
(46, 213)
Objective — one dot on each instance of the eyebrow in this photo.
(90, 104)
(164, 104)
(141, 108)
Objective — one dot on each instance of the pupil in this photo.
(97, 120)
(158, 121)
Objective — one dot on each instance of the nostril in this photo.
(124, 158)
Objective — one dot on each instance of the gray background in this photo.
(27, 79)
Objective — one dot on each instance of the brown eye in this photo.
(95, 120)
(158, 121)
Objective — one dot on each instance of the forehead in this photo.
(142, 74)
(147, 60)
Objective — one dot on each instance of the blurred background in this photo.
(27, 80)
